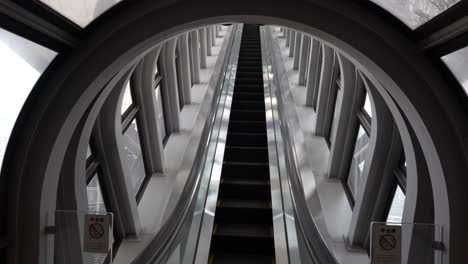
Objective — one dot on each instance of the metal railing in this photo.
(174, 233)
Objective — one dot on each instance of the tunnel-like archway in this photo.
(66, 100)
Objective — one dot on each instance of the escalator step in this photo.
(246, 154)
(242, 115)
(249, 96)
(242, 259)
(247, 127)
(243, 223)
(246, 140)
(247, 105)
(245, 170)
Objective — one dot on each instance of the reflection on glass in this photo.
(160, 114)
(414, 13)
(358, 162)
(95, 198)
(80, 12)
(127, 99)
(21, 64)
(336, 114)
(395, 214)
(368, 106)
(457, 62)
(156, 70)
(133, 154)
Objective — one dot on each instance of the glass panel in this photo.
(80, 12)
(160, 112)
(95, 198)
(22, 63)
(395, 214)
(368, 106)
(156, 69)
(127, 99)
(358, 162)
(457, 62)
(134, 156)
(415, 12)
(88, 152)
(336, 114)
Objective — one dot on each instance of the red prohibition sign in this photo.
(387, 242)
(96, 230)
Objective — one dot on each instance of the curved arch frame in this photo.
(46, 125)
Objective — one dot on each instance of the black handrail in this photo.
(158, 249)
(317, 249)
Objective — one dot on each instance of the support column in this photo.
(326, 93)
(292, 42)
(213, 35)
(209, 32)
(195, 56)
(287, 36)
(185, 67)
(116, 177)
(304, 57)
(202, 39)
(144, 96)
(169, 85)
(71, 196)
(217, 27)
(297, 50)
(383, 156)
(341, 151)
(313, 78)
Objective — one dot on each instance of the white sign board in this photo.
(97, 233)
(385, 244)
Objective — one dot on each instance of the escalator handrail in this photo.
(315, 244)
(158, 248)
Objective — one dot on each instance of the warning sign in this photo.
(97, 233)
(385, 244)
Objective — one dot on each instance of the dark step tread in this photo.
(243, 230)
(250, 204)
(220, 258)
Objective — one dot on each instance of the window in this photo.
(134, 155)
(358, 162)
(95, 196)
(131, 141)
(160, 113)
(22, 63)
(368, 106)
(360, 149)
(337, 104)
(395, 214)
(80, 12)
(414, 13)
(457, 62)
(127, 101)
(163, 128)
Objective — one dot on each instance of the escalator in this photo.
(243, 225)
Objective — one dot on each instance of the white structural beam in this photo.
(209, 32)
(326, 93)
(202, 39)
(170, 87)
(313, 75)
(304, 57)
(292, 41)
(195, 53)
(297, 50)
(185, 67)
